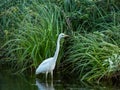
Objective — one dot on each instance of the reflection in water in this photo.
(16, 82)
(26, 82)
(44, 86)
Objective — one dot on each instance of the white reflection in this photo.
(44, 86)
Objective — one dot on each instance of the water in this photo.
(30, 82)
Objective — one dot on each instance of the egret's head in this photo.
(63, 35)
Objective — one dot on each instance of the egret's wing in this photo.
(44, 66)
(46, 61)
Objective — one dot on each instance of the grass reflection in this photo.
(16, 82)
(30, 82)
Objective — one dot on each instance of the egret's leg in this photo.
(51, 83)
(46, 84)
(52, 75)
(46, 76)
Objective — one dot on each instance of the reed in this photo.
(94, 56)
(29, 30)
(35, 37)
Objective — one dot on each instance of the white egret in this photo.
(48, 65)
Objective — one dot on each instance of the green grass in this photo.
(94, 44)
(94, 55)
(29, 31)
(35, 37)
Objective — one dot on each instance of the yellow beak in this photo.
(66, 35)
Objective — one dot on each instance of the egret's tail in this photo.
(36, 72)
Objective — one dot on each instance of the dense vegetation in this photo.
(29, 30)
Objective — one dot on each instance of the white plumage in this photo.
(48, 65)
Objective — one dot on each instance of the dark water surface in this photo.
(30, 82)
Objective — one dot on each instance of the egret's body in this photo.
(48, 65)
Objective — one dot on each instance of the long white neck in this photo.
(57, 49)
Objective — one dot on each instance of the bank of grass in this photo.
(95, 55)
(29, 31)
(36, 34)
(93, 51)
